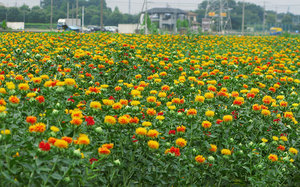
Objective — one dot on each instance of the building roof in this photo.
(165, 10)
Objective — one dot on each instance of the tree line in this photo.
(254, 14)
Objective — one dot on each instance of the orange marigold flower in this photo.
(181, 128)
(124, 119)
(213, 148)
(152, 133)
(31, 119)
(256, 107)
(103, 151)
(206, 124)
(67, 139)
(151, 112)
(76, 121)
(200, 159)
(192, 112)
(273, 157)
(51, 140)
(14, 99)
(108, 146)
(267, 99)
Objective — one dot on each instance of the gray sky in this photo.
(136, 5)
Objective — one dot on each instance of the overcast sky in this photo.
(292, 6)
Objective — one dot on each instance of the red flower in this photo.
(219, 121)
(93, 160)
(172, 131)
(111, 98)
(40, 99)
(160, 113)
(175, 150)
(44, 146)
(90, 120)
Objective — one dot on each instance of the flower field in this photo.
(131, 110)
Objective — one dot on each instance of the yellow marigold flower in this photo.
(135, 93)
(227, 118)
(110, 120)
(264, 140)
(31, 94)
(108, 145)
(265, 112)
(10, 85)
(153, 144)
(200, 159)
(275, 138)
(2, 108)
(162, 94)
(283, 138)
(3, 91)
(213, 148)
(146, 123)
(6, 131)
(288, 115)
(54, 129)
(61, 143)
(141, 131)
(210, 113)
(225, 152)
(108, 102)
(23, 86)
(95, 105)
(181, 142)
(151, 99)
(280, 97)
(70, 82)
(153, 133)
(117, 106)
(160, 117)
(199, 98)
(135, 103)
(293, 150)
(206, 124)
(273, 157)
(36, 80)
(209, 95)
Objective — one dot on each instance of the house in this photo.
(166, 18)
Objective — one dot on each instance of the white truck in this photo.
(65, 24)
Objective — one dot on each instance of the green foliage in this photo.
(4, 26)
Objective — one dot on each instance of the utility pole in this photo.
(264, 21)
(101, 15)
(221, 17)
(82, 25)
(76, 12)
(51, 14)
(68, 7)
(146, 18)
(243, 18)
(129, 7)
